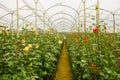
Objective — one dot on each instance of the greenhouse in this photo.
(59, 40)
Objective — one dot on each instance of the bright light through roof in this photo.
(52, 12)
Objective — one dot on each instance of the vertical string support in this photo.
(17, 9)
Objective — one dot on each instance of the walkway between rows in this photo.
(64, 67)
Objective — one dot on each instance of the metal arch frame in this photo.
(30, 15)
(62, 22)
(58, 14)
(60, 4)
(34, 11)
(113, 15)
(27, 21)
(60, 25)
(63, 19)
(4, 22)
(43, 20)
(49, 7)
(10, 12)
(62, 13)
(67, 23)
(4, 15)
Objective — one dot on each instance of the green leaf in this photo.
(108, 70)
(86, 75)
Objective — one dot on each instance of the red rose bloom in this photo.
(85, 38)
(95, 30)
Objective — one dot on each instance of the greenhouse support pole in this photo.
(11, 27)
(17, 17)
(36, 13)
(98, 14)
(113, 23)
(44, 22)
(84, 3)
(98, 26)
(78, 23)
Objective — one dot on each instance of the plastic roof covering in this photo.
(61, 15)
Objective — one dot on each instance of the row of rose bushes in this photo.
(94, 56)
(29, 55)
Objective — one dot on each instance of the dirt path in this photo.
(63, 69)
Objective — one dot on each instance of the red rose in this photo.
(85, 38)
(95, 30)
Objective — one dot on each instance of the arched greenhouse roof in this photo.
(61, 15)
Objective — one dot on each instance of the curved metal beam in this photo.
(62, 25)
(59, 26)
(60, 4)
(33, 11)
(62, 22)
(4, 15)
(63, 19)
(62, 13)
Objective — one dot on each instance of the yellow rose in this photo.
(30, 45)
(26, 49)
(60, 42)
(37, 46)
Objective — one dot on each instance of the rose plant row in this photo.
(95, 55)
(29, 55)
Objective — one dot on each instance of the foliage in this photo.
(28, 56)
(98, 58)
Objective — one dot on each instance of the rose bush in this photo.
(29, 56)
(96, 56)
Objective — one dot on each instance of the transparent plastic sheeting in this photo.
(62, 15)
